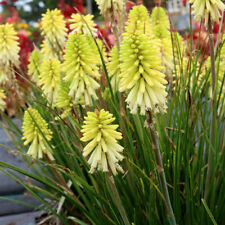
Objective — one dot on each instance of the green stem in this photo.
(213, 118)
(160, 169)
(118, 200)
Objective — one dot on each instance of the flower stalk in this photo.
(213, 118)
(160, 169)
(118, 200)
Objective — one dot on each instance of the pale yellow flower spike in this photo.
(139, 21)
(141, 76)
(160, 26)
(82, 24)
(9, 46)
(2, 100)
(104, 151)
(203, 9)
(53, 28)
(49, 78)
(64, 101)
(113, 68)
(32, 124)
(109, 8)
(35, 61)
(80, 67)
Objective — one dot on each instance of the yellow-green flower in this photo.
(140, 74)
(80, 67)
(110, 8)
(53, 28)
(83, 24)
(139, 21)
(205, 9)
(160, 26)
(33, 128)
(9, 46)
(160, 23)
(104, 151)
(2, 100)
(113, 68)
(49, 78)
(64, 101)
(35, 61)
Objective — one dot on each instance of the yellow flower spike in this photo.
(140, 74)
(203, 9)
(110, 8)
(9, 46)
(49, 78)
(35, 61)
(160, 26)
(80, 66)
(2, 100)
(64, 101)
(160, 23)
(113, 68)
(82, 24)
(104, 151)
(53, 28)
(139, 21)
(33, 128)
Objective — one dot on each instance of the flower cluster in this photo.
(64, 101)
(160, 26)
(9, 51)
(53, 28)
(36, 131)
(83, 24)
(80, 66)
(35, 61)
(110, 8)
(49, 78)
(103, 147)
(114, 68)
(207, 9)
(139, 21)
(140, 74)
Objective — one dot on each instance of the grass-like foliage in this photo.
(121, 136)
